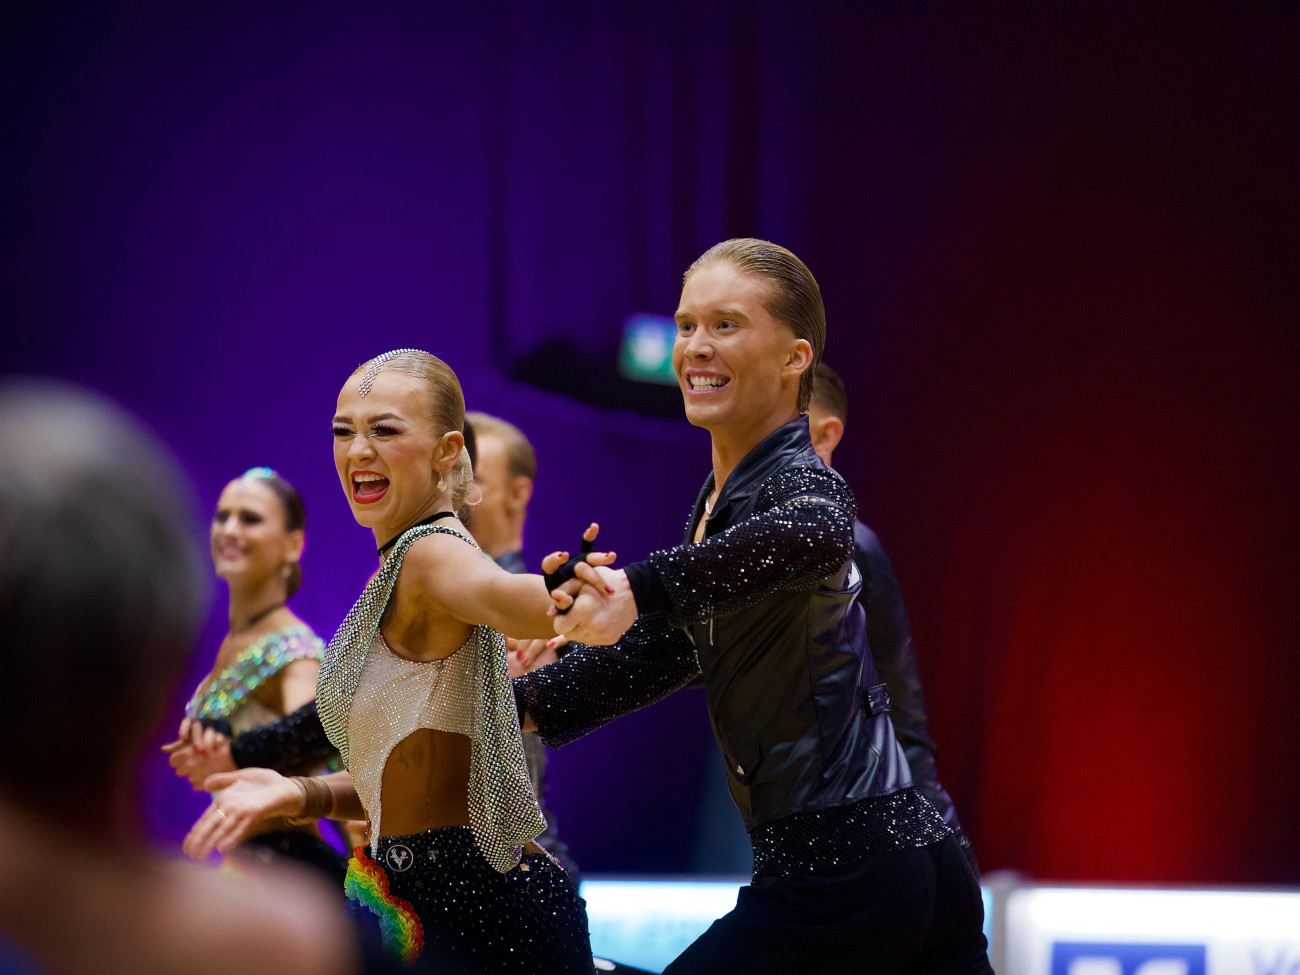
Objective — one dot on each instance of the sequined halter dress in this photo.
(228, 701)
(470, 896)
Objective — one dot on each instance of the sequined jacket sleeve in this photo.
(800, 532)
(296, 739)
(592, 686)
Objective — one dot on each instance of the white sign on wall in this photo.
(1093, 931)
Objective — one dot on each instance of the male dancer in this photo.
(850, 862)
(504, 470)
(889, 632)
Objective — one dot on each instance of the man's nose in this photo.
(699, 345)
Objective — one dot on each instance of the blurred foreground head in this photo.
(100, 593)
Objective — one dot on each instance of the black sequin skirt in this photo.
(828, 842)
(433, 895)
(297, 846)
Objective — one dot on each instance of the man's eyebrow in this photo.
(683, 315)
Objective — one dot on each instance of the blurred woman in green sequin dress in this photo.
(266, 666)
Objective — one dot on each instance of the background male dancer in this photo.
(504, 470)
(850, 862)
(889, 632)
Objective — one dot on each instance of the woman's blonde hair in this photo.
(446, 404)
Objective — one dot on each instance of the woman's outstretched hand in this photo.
(572, 584)
(553, 561)
(247, 797)
(525, 656)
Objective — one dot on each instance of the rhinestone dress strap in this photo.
(503, 810)
(230, 689)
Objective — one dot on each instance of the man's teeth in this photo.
(708, 382)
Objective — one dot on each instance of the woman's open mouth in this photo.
(368, 487)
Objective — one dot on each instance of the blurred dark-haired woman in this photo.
(267, 664)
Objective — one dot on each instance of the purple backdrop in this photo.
(1055, 247)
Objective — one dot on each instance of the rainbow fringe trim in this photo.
(400, 928)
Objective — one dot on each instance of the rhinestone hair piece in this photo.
(376, 364)
(266, 473)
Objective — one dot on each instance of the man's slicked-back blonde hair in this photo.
(793, 297)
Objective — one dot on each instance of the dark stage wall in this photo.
(1058, 252)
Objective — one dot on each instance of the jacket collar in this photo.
(771, 454)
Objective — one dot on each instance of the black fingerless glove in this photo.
(567, 571)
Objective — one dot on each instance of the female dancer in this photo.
(283, 745)
(267, 664)
(415, 694)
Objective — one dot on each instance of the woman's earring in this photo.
(442, 484)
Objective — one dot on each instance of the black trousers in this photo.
(474, 920)
(911, 911)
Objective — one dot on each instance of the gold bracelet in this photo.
(317, 800)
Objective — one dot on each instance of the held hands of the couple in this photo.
(595, 605)
(599, 603)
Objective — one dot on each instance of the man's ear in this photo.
(519, 493)
(800, 358)
(826, 434)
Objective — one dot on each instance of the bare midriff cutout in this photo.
(425, 783)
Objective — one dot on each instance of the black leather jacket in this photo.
(889, 634)
(766, 608)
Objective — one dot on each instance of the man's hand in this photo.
(599, 613)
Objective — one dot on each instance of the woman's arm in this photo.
(475, 590)
(297, 681)
(254, 795)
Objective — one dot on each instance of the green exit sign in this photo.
(646, 352)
